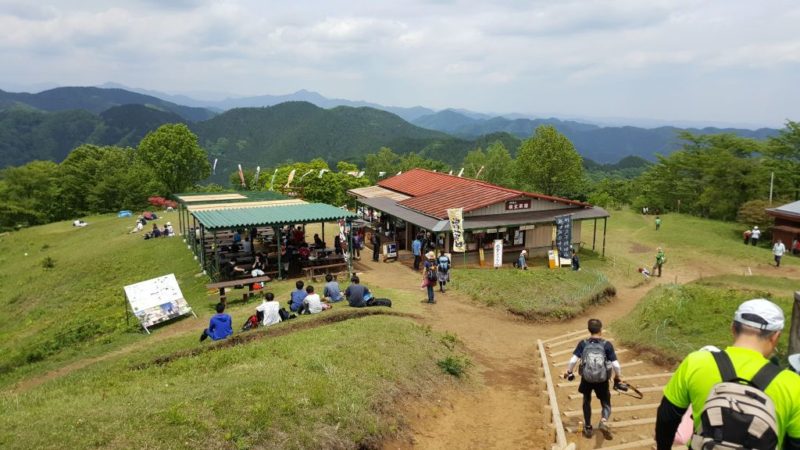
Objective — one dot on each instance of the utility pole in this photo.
(771, 182)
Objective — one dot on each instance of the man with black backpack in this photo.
(597, 358)
(739, 398)
(443, 271)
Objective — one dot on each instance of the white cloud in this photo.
(571, 56)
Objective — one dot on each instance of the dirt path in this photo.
(508, 410)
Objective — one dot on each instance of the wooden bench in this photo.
(311, 271)
(221, 285)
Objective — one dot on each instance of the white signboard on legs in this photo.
(498, 253)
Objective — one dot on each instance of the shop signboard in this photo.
(498, 253)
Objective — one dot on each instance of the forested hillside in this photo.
(601, 144)
(27, 134)
(300, 131)
(96, 100)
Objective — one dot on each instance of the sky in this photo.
(731, 61)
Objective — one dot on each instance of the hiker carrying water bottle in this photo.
(597, 358)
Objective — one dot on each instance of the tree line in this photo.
(94, 179)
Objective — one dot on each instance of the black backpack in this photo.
(430, 273)
(737, 413)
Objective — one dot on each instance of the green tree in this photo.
(783, 159)
(176, 158)
(499, 165)
(473, 162)
(548, 163)
(27, 194)
(384, 161)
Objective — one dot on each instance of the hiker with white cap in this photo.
(170, 231)
(522, 261)
(777, 252)
(755, 235)
(740, 399)
(794, 362)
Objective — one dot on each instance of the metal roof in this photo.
(376, 191)
(391, 207)
(270, 216)
(418, 182)
(228, 197)
(469, 197)
(421, 182)
(239, 205)
(789, 211)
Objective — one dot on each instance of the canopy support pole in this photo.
(594, 233)
(605, 226)
(280, 250)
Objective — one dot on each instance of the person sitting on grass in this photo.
(312, 304)
(576, 262)
(270, 310)
(359, 296)
(220, 326)
(332, 292)
(645, 273)
(298, 295)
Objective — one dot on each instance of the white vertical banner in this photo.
(456, 216)
(498, 253)
(291, 177)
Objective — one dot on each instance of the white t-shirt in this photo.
(778, 249)
(756, 234)
(314, 303)
(270, 309)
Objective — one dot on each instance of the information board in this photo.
(157, 300)
(564, 235)
(498, 253)
(390, 250)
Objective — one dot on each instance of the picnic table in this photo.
(335, 266)
(221, 285)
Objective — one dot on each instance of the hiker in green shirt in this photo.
(658, 222)
(661, 258)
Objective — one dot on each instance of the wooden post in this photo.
(605, 226)
(280, 248)
(202, 247)
(594, 233)
(794, 328)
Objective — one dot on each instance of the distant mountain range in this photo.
(47, 125)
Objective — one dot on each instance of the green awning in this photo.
(270, 216)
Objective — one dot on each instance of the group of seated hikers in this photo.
(157, 233)
(303, 300)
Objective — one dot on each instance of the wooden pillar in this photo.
(605, 226)
(202, 247)
(323, 234)
(280, 248)
(594, 233)
(215, 249)
(349, 223)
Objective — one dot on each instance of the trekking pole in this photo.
(629, 390)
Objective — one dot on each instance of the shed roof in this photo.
(270, 215)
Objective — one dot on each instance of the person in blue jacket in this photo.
(220, 326)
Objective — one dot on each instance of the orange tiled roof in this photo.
(432, 193)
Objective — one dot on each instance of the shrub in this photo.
(48, 263)
(454, 365)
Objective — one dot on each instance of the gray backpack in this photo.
(737, 413)
(594, 367)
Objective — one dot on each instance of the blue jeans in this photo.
(430, 293)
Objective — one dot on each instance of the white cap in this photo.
(710, 348)
(755, 227)
(794, 361)
(761, 314)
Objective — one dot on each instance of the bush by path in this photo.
(674, 320)
(536, 294)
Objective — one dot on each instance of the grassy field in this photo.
(328, 387)
(673, 320)
(74, 374)
(539, 294)
(687, 240)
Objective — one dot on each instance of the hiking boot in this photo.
(605, 430)
(588, 432)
